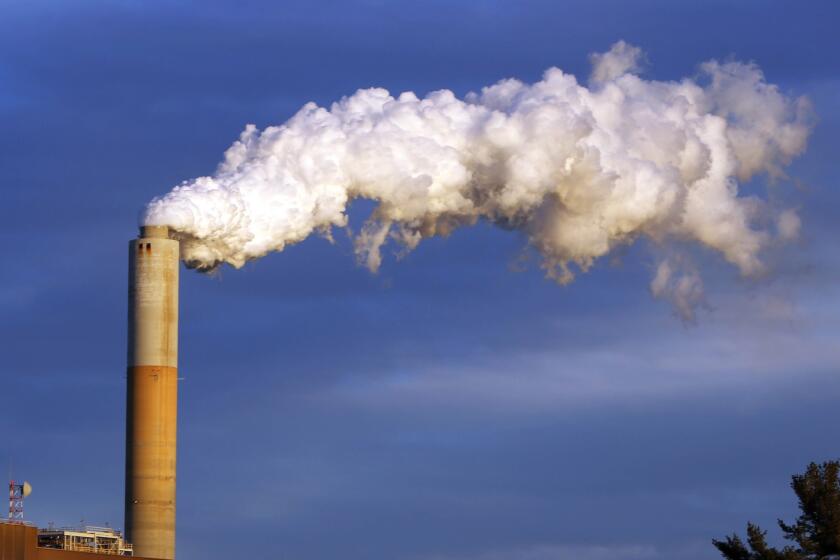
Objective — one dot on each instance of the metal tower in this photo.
(17, 492)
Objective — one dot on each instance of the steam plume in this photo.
(579, 170)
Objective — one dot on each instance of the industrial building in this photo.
(102, 540)
(21, 541)
(151, 426)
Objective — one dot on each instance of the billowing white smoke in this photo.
(579, 170)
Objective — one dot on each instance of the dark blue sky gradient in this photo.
(456, 406)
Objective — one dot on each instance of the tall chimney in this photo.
(152, 406)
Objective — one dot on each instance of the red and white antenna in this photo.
(17, 493)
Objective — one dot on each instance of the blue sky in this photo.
(454, 406)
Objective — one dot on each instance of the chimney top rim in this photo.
(154, 232)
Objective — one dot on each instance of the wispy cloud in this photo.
(562, 552)
(770, 338)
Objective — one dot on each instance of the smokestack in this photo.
(152, 404)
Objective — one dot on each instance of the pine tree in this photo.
(817, 530)
(816, 533)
